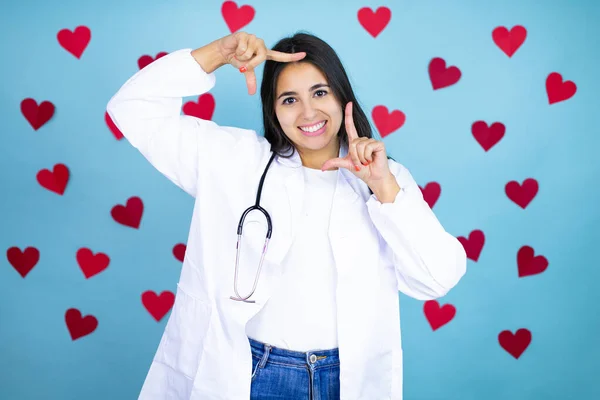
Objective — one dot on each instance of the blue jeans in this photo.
(294, 375)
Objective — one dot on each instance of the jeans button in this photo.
(313, 358)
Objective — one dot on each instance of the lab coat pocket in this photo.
(185, 333)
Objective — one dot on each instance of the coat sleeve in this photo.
(147, 110)
(427, 259)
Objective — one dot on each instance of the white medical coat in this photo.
(379, 249)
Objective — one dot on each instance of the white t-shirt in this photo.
(301, 313)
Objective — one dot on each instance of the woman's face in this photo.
(308, 112)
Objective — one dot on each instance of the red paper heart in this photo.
(522, 194)
(203, 108)
(441, 76)
(158, 306)
(557, 90)
(113, 128)
(36, 115)
(55, 180)
(509, 42)
(374, 22)
(431, 193)
(528, 264)
(91, 264)
(78, 326)
(515, 344)
(438, 316)
(130, 214)
(23, 261)
(145, 60)
(76, 41)
(179, 251)
(236, 18)
(487, 136)
(386, 122)
(474, 244)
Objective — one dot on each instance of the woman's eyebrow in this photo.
(313, 87)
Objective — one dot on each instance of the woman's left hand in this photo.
(366, 158)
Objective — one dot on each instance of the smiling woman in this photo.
(302, 331)
(299, 96)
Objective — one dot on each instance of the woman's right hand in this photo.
(246, 51)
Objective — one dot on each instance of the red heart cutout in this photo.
(91, 264)
(557, 90)
(158, 306)
(386, 122)
(145, 60)
(179, 251)
(76, 41)
(431, 193)
(55, 180)
(474, 244)
(438, 316)
(441, 76)
(23, 261)
(528, 264)
(235, 17)
(487, 136)
(78, 326)
(203, 108)
(113, 128)
(374, 22)
(522, 194)
(36, 115)
(509, 42)
(130, 214)
(515, 344)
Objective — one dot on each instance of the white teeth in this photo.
(314, 128)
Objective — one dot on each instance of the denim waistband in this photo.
(315, 358)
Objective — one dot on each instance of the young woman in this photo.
(300, 239)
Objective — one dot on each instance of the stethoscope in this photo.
(256, 206)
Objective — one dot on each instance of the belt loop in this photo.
(265, 356)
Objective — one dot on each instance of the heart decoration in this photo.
(79, 326)
(438, 316)
(23, 261)
(473, 245)
(145, 60)
(431, 193)
(387, 122)
(55, 180)
(75, 42)
(158, 306)
(179, 251)
(441, 76)
(509, 41)
(36, 115)
(557, 90)
(515, 344)
(129, 214)
(91, 264)
(113, 128)
(487, 136)
(203, 108)
(528, 263)
(236, 18)
(374, 22)
(522, 194)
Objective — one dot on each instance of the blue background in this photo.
(555, 144)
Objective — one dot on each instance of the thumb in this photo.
(337, 163)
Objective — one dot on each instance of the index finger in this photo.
(284, 57)
(350, 128)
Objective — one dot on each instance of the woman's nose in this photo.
(309, 112)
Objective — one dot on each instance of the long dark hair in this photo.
(323, 57)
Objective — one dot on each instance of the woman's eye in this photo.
(286, 100)
(321, 91)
